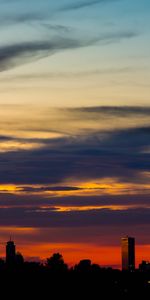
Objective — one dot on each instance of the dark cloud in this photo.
(4, 138)
(53, 188)
(118, 153)
(114, 110)
(38, 200)
(13, 55)
(99, 227)
(17, 54)
(50, 218)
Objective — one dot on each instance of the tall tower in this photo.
(10, 252)
(128, 253)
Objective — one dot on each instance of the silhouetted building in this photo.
(144, 266)
(10, 252)
(128, 253)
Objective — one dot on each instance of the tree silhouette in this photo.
(19, 260)
(83, 266)
(2, 264)
(56, 263)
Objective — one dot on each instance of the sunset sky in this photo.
(75, 127)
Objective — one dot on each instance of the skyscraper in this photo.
(128, 253)
(10, 252)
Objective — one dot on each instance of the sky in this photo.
(75, 127)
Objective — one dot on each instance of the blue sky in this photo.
(105, 42)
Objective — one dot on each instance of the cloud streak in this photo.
(13, 55)
(68, 75)
(119, 111)
(117, 154)
(21, 18)
(51, 218)
(18, 54)
(83, 4)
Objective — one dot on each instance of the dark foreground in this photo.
(86, 281)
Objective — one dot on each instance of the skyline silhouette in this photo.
(128, 257)
(127, 247)
(59, 279)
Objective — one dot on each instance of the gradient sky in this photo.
(75, 127)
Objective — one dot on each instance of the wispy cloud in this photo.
(32, 16)
(82, 4)
(114, 110)
(42, 189)
(68, 75)
(19, 18)
(17, 54)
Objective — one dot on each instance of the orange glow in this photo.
(142, 253)
(87, 208)
(15, 230)
(9, 188)
(72, 252)
(106, 186)
(10, 146)
(37, 135)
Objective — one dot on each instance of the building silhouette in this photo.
(128, 253)
(10, 252)
(144, 266)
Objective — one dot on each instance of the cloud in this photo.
(36, 20)
(89, 154)
(18, 54)
(30, 16)
(116, 154)
(113, 110)
(75, 4)
(68, 75)
(13, 55)
(19, 18)
(50, 218)
(4, 138)
(39, 200)
(56, 27)
(47, 189)
(83, 4)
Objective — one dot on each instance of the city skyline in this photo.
(75, 127)
(83, 277)
(127, 250)
(127, 247)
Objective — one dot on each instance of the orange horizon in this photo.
(73, 253)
